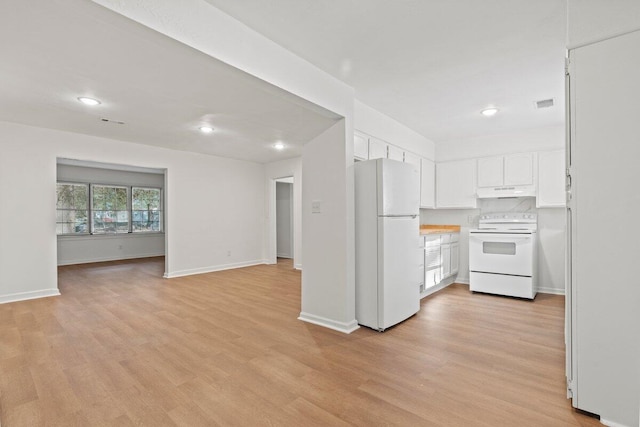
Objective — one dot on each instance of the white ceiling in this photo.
(55, 51)
(430, 64)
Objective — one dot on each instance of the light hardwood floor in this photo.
(122, 346)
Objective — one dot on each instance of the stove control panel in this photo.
(509, 217)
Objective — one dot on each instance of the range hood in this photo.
(507, 191)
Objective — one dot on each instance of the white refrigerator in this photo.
(603, 291)
(387, 225)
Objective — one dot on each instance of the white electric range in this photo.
(503, 254)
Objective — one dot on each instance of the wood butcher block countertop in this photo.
(438, 229)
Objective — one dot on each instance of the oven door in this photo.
(501, 253)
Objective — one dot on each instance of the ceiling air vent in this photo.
(545, 103)
(115, 122)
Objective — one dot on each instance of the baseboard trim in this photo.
(105, 259)
(611, 423)
(213, 268)
(552, 291)
(344, 327)
(298, 266)
(443, 284)
(463, 280)
(23, 296)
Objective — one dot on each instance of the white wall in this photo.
(201, 229)
(97, 248)
(542, 139)
(594, 20)
(374, 123)
(284, 219)
(328, 284)
(94, 248)
(274, 170)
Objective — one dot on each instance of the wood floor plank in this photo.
(122, 346)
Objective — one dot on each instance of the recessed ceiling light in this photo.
(89, 101)
(489, 111)
(278, 146)
(206, 129)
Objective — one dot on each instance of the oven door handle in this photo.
(491, 238)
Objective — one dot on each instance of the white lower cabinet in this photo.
(441, 258)
(455, 258)
(445, 250)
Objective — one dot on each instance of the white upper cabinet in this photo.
(551, 179)
(395, 153)
(456, 184)
(491, 171)
(512, 169)
(518, 169)
(427, 184)
(360, 146)
(377, 149)
(412, 159)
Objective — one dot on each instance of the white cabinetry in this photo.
(441, 259)
(377, 149)
(427, 184)
(395, 153)
(490, 171)
(445, 250)
(455, 256)
(412, 159)
(518, 169)
(432, 261)
(456, 184)
(512, 169)
(360, 146)
(551, 179)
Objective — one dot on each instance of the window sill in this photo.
(109, 236)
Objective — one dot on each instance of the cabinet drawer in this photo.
(455, 237)
(445, 238)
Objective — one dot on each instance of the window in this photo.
(72, 215)
(109, 209)
(146, 209)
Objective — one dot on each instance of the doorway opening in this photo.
(284, 218)
(109, 212)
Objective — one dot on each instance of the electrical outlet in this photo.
(228, 253)
(120, 247)
(470, 219)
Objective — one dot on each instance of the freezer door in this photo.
(398, 266)
(398, 188)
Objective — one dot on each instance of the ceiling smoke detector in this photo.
(545, 103)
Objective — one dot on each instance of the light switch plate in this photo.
(316, 206)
